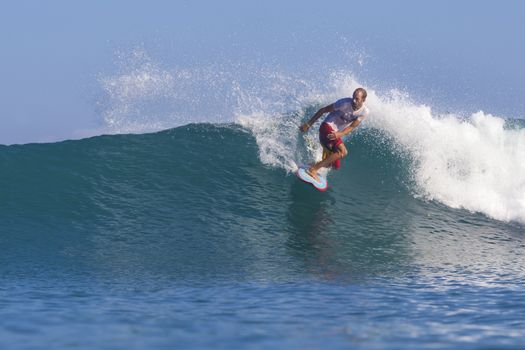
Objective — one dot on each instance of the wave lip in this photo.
(474, 163)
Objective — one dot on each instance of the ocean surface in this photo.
(200, 236)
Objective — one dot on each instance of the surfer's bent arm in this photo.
(346, 130)
(317, 115)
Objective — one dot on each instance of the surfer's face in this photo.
(358, 100)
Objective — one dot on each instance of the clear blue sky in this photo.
(459, 54)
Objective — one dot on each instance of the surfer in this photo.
(344, 116)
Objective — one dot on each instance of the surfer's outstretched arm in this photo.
(317, 115)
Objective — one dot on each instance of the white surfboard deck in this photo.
(321, 185)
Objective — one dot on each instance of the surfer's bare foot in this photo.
(313, 174)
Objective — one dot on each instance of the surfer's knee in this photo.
(341, 151)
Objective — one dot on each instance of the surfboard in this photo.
(321, 185)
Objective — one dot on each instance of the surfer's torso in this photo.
(344, 115)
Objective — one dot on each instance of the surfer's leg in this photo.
(341, 152)
(326, 153)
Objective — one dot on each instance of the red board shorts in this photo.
(329, 145)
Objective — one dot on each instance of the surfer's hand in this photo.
(332, 136)
(304, 127)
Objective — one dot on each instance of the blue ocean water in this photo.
(200, 236)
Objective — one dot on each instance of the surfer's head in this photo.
(359, 98)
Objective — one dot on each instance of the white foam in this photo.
(274, 139)
(464, 162)
(274, 117)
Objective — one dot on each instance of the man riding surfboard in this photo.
(344, 116)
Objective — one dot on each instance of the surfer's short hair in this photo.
(362, 91)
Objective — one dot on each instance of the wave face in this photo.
(181, 187)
